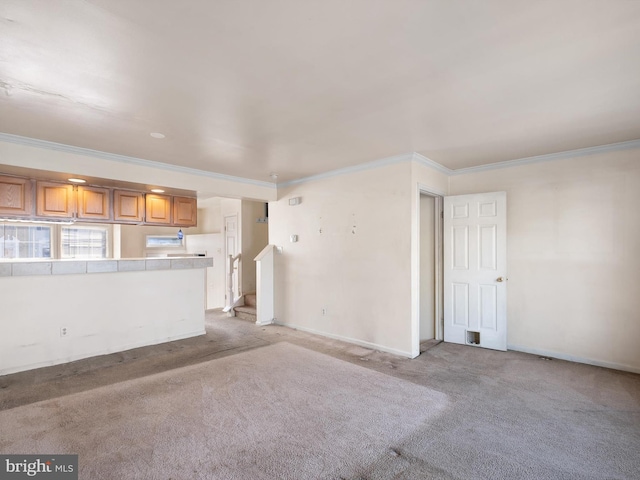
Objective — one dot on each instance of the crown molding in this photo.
(60, 147)
(423, 160)
(354, 168)
(427, 162)
(416, 157)
(580, 152)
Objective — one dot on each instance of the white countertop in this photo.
(16, 268)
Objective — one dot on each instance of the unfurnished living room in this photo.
(363, 239)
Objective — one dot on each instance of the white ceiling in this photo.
(300, 87)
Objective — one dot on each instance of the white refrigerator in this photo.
(210, 245)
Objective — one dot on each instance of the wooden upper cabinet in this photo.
(32, 199)
(94, 203)
(185, 211)
(158, 209)
(16, 196)
(128, 206)
(54, 200)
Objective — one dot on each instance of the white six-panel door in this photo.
(475, 270)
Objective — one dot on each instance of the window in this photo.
(34, 240)
(83, 242)
(163, 241)
(25, 241)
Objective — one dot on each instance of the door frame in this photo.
(438, 195)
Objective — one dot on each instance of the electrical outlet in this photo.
(324, 312)
(64, 331)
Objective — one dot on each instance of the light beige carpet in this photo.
(280, 411)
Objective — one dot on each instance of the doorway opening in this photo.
(431, 319)
(233, 271)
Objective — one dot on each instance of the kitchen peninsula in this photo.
(58, 311)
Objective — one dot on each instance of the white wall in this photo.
(133, 239)
(103, 312)
(230, 206)
(210, 216)
(573, 255)
(352, 257)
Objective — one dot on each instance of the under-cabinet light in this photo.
(55, 222)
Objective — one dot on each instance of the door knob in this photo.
(500, 279)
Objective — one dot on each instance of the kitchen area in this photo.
(68, 291)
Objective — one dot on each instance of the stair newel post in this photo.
(230, 285)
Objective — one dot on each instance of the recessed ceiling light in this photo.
(76, 180)
(274, 175)
(157, 135)
(157, 190)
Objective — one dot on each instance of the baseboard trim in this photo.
(360, 343)
(573, 358)
(264, 323)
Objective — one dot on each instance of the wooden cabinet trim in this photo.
(128, 206)
(55, 200)
(27, 198)
(185, 211)
(94, 203)
(158, 209)
(16, 196)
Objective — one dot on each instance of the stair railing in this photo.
(233, 267)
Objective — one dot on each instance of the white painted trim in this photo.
(265, 323)
(361, 343)
(264, 252)
(429, 190)
(354, 168)
(427, 162)
(265, 285)
(417, 157)
(33, 142)
(573, 358)
(416, 241)
(415, 273)
(439, 265)
(580, 152)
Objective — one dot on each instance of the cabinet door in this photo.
(128, 206)
(158, 209)
(54, 200)
(185, 211)
(15, 196)
(93, 203)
